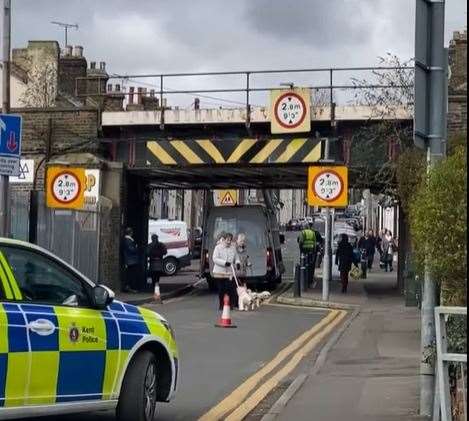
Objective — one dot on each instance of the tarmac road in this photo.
(216, 361)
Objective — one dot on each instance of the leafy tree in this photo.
(438, 215)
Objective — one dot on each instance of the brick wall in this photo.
(457, 108)
(70, 129)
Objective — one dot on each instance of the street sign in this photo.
(65, 187)
(290, 110)
(10, 144)
(26, 175)
(328, 186)
(228, 197)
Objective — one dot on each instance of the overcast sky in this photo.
(202, 35)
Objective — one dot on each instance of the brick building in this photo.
(457, 90)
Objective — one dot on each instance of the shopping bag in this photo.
(355, 273)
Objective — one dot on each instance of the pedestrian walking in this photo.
(155, 254)
(379, 243)
(131, 260)
(369, 244)
(389, 247)
(308, 245)
(344, 258)
(224, 256)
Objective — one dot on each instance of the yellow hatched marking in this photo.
(212, 150)
(237, 397)
(14, 285)
(314, 155)
(16, 381)
(188, 154)
(293, 147)
(266, 151)
(3, 331)
(246, 407)
(44, 376)
(160, 153)
(241, 149)
(6, 284)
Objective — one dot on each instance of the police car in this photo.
(67, 346)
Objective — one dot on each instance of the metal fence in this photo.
(442, 406)
(71, 235)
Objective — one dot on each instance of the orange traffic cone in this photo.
(225, 319)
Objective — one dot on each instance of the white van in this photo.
(173, 234)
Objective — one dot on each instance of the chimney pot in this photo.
(92, 65)
(77, 51)
(68, 50)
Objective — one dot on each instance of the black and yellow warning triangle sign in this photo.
(228, 197)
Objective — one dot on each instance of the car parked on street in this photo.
(293, 225)
(67, 346)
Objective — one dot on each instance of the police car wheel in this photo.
(137, 401)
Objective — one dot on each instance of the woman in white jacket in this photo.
(225, 255)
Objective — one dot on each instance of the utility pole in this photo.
(65, 26)
(327, 264)
(4, 180)
(429, 133)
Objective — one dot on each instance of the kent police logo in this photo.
(74, 334)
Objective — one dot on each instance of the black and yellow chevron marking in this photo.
(233, 151)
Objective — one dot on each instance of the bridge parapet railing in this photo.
(325, 84)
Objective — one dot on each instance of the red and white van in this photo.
(174, 235)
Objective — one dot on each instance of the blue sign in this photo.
(10, 144)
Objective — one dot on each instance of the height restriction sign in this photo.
(290, 110)
(65, 187)
(328, 186)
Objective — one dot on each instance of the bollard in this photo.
(303, 279)
(296, 284)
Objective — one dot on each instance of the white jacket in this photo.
(221, 255)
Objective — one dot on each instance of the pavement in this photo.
(170, 286)
(372, 372)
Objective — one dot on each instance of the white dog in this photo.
(264, 295)
(245, 300)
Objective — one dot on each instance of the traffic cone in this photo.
(225, 319)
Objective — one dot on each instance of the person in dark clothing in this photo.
(367, 246)
(155, 253)
(344, 259)
(131, 261)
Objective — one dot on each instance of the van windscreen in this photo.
(253, 229)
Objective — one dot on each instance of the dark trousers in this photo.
(226, 286)
(344, 280)
(371, 259)
(388, 264)
(131, 277)
(363, 266)
(155, 278)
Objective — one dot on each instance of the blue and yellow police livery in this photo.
(67, 346)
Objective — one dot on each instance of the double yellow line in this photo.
(244, 399)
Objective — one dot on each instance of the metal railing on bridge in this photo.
(245, 84)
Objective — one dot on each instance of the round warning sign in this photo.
(66, 187)
(290, 110)
(328, 185)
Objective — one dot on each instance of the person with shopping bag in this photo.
(344, 259)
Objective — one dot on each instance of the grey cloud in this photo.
(313, 22)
